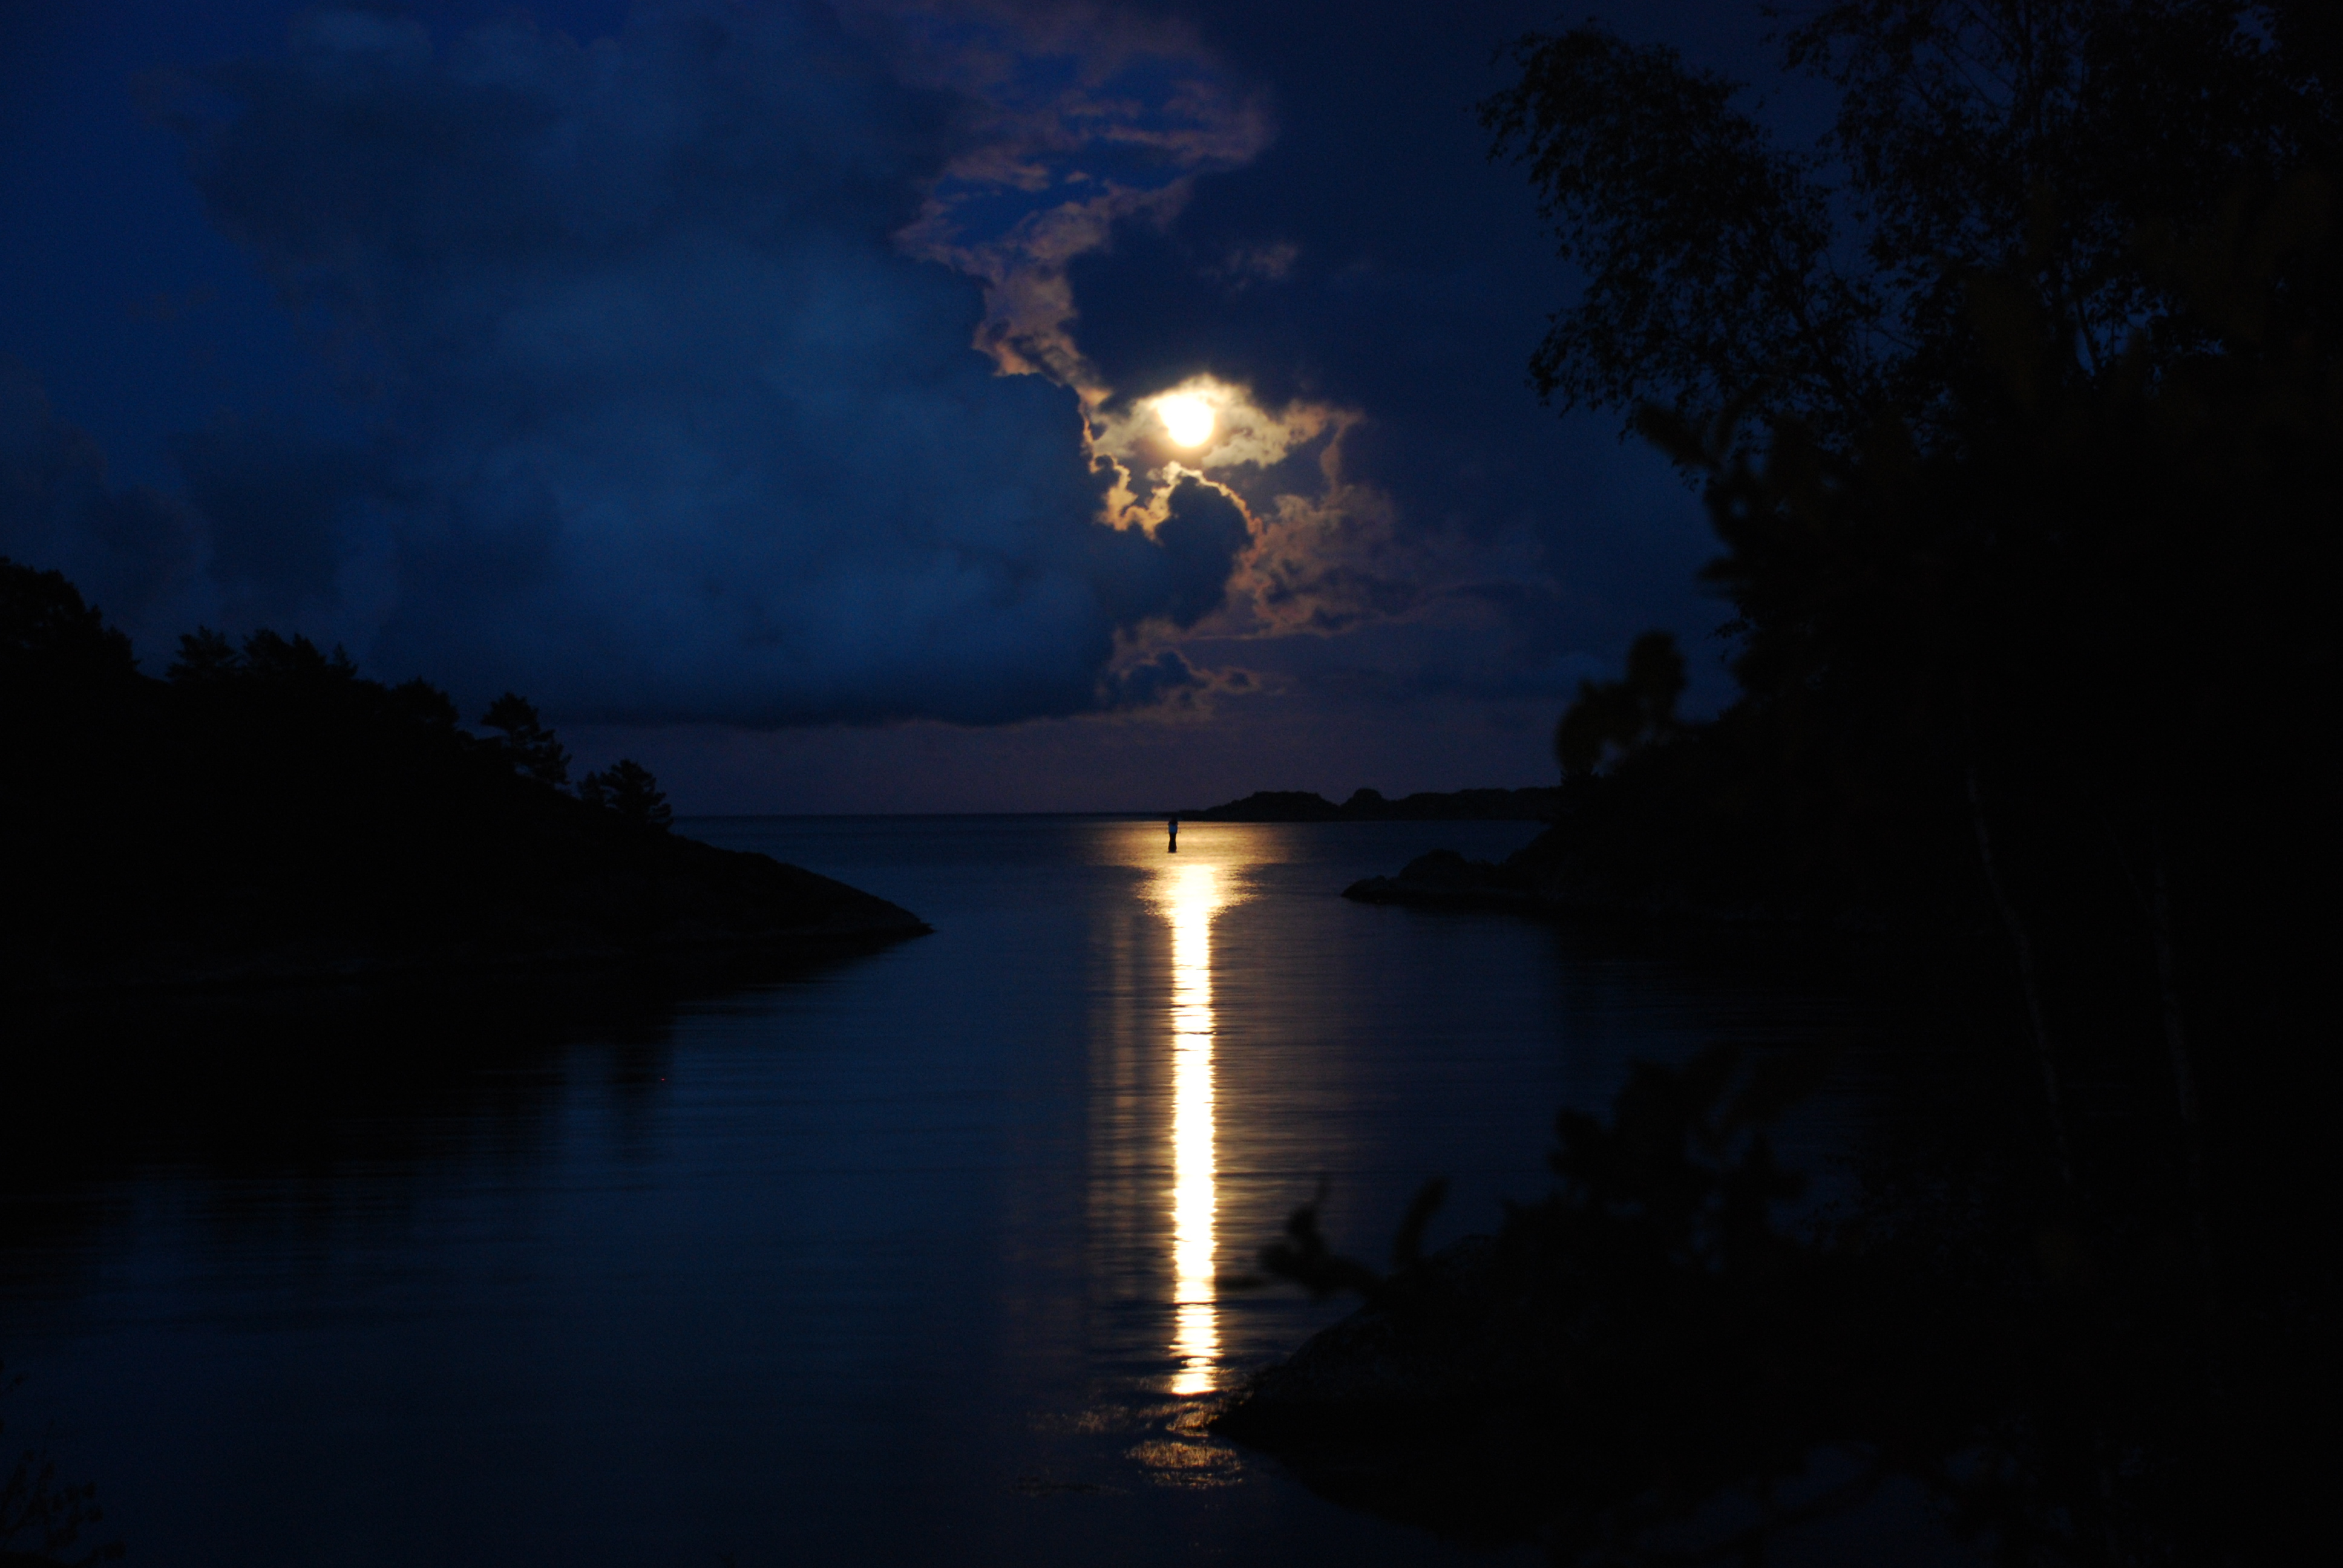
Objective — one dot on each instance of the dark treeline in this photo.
(2017, 405)
(265, 813)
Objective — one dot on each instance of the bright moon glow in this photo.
(1189, 419)
(1190, 896)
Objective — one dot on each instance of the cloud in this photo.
(1102, 123)
(135, 552)
(1088, 117)
(300, 529)
(670, 426)
(1152, 681)
(660, 352)
(1167, 684)
(1372, 268)
(1203, 529)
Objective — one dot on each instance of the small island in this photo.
(264, 816)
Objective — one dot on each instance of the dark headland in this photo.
(264, 815)
(1595, 858)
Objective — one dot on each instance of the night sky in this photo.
(770, 389)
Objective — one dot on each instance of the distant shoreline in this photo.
(1527, 805)
(1530, 805)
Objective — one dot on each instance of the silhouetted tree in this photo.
(628, 787)
(1647, 1365)
(269, 813)
(423, 703)
(1642, 1339)
(41, 1519)
(52, 642)
(533, 748)
(2029, 141)
(2029, 534)
(205, 655)
(1622, 715)
(2015, 406)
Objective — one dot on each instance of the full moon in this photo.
(1188, 420)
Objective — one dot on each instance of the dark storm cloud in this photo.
(670, 426)
(1201, 531)
(290, 518)
(1150, 682)
(1082, 116)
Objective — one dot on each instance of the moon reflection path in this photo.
(1189, 896)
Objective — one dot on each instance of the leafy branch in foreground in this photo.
(1625, 1349)
(42, 1519)
(1647, 1365)
(1723, 269)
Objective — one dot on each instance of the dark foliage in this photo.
(42, 1519)
(58, 659)
(1643, 1339)
(1626, 715)
(2019, 405)
(268, 813)
(2026, 140)
(45, 631)
(1707, 250)
(532, 747)
(628, 787)
(1646, 1366)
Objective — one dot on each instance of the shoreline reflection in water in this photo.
(1189, 896)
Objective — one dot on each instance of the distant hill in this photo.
(1532, 805)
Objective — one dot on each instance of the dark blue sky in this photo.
(767, 387)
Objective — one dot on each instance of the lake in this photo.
(921, 1256)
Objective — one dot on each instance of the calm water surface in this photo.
(920, 1258)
